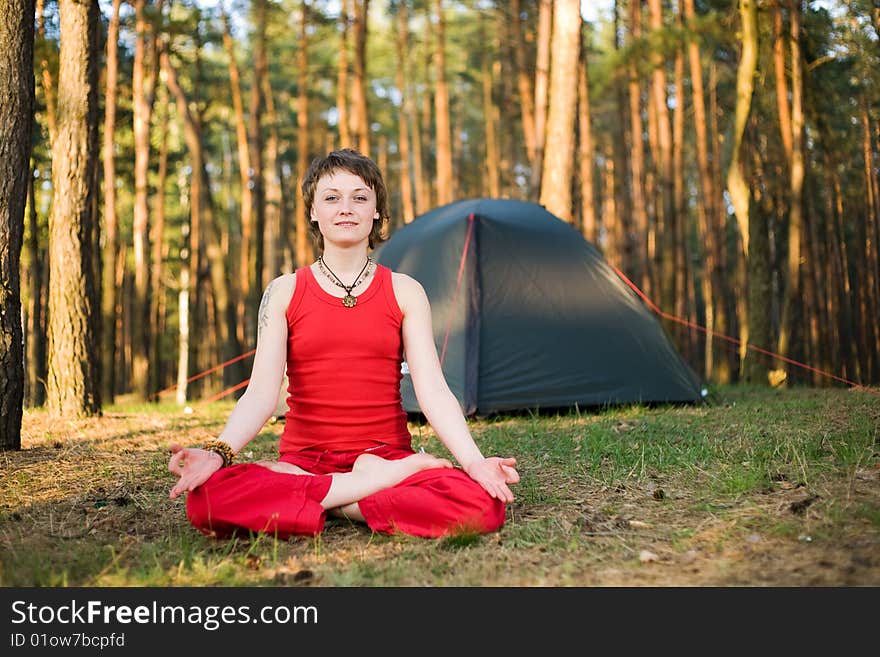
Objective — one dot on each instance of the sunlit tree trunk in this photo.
(445, 183)
(523, 82)
(256, 284)
(559, 152)
(791, 273)
(870, 287)
(276, 221)
(684, 292)
(665, 209)
(345, 138)
(73, 386)
(737, 186)
(422, 189)
(35, 370)
(490, 120)
(16, 120)
(586, 155)
(640, 270)
(143, 93)
(47, 84)
(304, 251)
(109, 291)
(157, 240)
(405, 116)
(245, 281)
(706, 242)
(542, 81)
(360, 115)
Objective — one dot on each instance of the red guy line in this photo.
(467, 242)
(674, 318)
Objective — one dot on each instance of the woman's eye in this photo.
(330, 198)
(360, 198)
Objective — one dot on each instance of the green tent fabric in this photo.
(528, 315)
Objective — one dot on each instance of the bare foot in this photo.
(284, 467)
(393, 472)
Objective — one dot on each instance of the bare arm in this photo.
(436, 400)
(193, 465)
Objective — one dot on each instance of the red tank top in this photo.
(343, 365)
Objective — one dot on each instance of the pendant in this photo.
(349, 301)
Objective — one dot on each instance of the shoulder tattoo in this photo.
(264, 307)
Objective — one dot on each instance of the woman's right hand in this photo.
(193, 465)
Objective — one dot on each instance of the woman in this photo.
(342, 325)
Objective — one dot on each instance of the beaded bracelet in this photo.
(221, 448)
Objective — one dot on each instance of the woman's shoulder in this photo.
(280, 290)
(408, 291)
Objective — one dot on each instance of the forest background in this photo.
(722, 154)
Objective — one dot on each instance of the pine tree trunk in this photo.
(737, 186)
(360, 118)
(405, 116)
(542, 81)
(143, 82)
(586, 155)
(16, 119)
(304, 252)
(445, 183)
(523, 83)
(255, 142)
(73, 386)
(245, 278)
(791, 273)
(109, 291)
(35, 391)
(273, 177)
(559, 152)
(490, 120)
(665, 210)
(345, 138)
(47, 84)
(157, 240)
(640, 269)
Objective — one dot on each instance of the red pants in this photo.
(430, 503)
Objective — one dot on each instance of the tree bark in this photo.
(35, 371)
(640, 269)
(542, 78)
(109, 291)
(360, 118)
(73, 386)
(490, 119)
(304, 251)
(586, 154)
(143, 94)
(276, 221)
(737, 186)
(523, 84)
(405, 115)
(445, 183)
(559, 151)
(16, 120)
(791, 273)
(345, 139)
(665, 210)
(246, 177)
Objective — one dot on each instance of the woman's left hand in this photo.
(494, 474)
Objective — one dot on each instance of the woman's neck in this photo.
(345, 263)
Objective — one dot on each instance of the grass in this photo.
(767, 487)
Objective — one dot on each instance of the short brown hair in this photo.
(346, 159)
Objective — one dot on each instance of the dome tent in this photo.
(528, 315)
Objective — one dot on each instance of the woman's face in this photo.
(345, 208)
